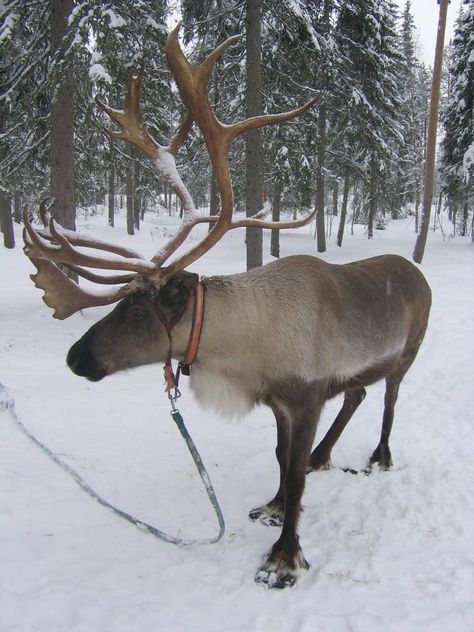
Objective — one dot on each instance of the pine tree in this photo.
(299, 57)
(24, 98)
(101, 45)
(370, 44)
(127, 36)
(457, 168)
(413, 109)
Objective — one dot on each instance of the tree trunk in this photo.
(320, 184)
(129, 196)
(276, 207)
(345, 199)
(431, 143)
(438, 210)
(137, 210)
(372, 197)
(111, 200)
(454, 213)
(321, 147)
(465, 217)
(136, 197)
(17, 207)
(6, 221)
(62, 120)
(254, 153)
(170, 200)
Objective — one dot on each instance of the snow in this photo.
(393, 550)
(97, 72)
(468, 162)
(115, 21)
(165, 164)
(8, 26)
(154, 24)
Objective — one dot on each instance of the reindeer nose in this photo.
(81, 362)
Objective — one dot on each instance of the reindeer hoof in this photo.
(270, 579)
(317, 463)
(269, 515)
(276, 571)
(382, 456)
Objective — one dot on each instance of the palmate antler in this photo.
(55, 245)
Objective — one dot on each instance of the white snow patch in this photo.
(98, 72)
(116, 21)
(392, 550)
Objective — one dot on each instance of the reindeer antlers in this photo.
(192, 81)
(55, 245)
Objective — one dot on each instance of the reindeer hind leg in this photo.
(382, 454)
(321, 456)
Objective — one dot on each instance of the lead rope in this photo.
(7, 403)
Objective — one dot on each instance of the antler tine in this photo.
(99, 278)
(65, 296)
(130, 121)
(270, 119)
(133, 130)
(67, 254)
(60, 292)
(256, 222)
(76, 239)
(181, 135)
(192, 83)
(207, 65)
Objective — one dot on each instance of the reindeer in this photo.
(289, 335)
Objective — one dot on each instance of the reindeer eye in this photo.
(136, 313)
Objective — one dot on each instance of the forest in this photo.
(391, 550)
(357, 157)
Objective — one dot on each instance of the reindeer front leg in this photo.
(272, 514)
(281, 567)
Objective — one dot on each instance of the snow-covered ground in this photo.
(391, 551)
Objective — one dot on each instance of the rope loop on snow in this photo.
(7, 403)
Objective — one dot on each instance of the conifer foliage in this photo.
(358, 157)
(457, 168)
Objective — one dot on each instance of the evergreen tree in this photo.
(296, 53)
(126, 36)
(24, 98)
(370, 45)
(457, 167)
(414, 94)
(102, 43)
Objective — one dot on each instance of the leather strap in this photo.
(196, 330)
(184, 367)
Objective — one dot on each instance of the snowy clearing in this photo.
(394, 550)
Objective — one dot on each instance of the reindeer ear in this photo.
(173, 296)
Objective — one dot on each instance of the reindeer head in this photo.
(149, 284)
(138, 330)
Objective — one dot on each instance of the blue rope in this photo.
(8, 403)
